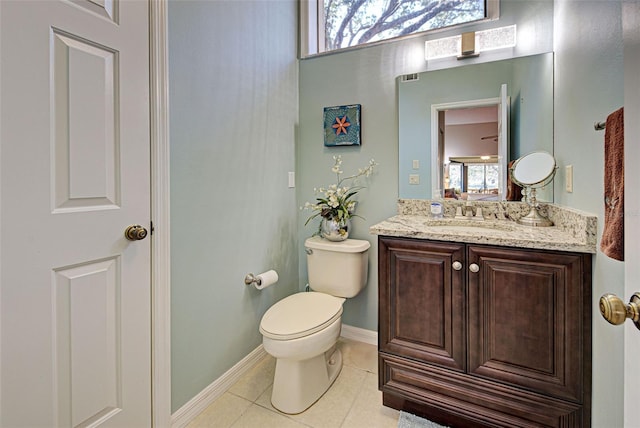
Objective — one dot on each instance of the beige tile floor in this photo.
(353, 401)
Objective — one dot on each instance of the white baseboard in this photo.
(360, 334)
(197, 404)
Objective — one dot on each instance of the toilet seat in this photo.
(300, 315)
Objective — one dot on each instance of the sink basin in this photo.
(470, 226)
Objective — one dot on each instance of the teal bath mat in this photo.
(407, 420)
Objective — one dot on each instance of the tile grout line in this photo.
(355, 398)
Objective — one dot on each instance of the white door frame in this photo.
(631, 38)
(160, 250)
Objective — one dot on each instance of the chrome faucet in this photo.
(460, 213)
(469, 212)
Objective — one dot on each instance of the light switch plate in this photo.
(568, 178)
(416, 164)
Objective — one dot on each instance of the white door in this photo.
(74, 173)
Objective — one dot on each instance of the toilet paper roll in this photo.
(266, 279)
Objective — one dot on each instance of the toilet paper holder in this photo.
(262, 280)
(252, 279)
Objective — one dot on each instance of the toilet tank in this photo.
(337, 268)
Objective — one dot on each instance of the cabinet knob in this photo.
(456, 265)
(474, 267)
(616, 312)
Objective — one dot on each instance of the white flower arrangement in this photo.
(335, 202)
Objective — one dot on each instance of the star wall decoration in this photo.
(342, 125)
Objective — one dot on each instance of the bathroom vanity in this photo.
(486, 323)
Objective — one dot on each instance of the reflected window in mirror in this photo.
(482, 178)
(454, 178)
(472, 180)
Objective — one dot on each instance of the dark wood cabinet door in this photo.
(529, 320)
(421, 301)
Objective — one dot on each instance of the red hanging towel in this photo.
(612, 242)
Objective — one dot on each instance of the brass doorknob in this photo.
(135, 232)
(616, 312)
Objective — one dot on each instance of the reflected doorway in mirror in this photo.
(476, 169)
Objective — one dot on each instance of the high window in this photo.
(346, 23)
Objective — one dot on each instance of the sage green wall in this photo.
(234, 108)
(589, 86)
(233, 115)
(368, 77)
(587, 41)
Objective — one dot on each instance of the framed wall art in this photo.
(342, 125)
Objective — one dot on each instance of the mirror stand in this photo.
(534, 218)
(531, 172)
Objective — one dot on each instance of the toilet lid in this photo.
(300, 315)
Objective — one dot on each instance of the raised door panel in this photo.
(88, 341)
(86, 136)
(527, 320)
(421, 301)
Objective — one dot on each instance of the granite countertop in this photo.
(572, 230)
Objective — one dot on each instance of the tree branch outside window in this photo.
(355, 22)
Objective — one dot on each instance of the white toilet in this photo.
(301, 330)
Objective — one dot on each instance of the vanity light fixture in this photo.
(469, 45)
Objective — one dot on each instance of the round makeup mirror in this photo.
(533, 171)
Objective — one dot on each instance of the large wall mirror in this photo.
(460, 127)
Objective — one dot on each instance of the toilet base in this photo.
(299, 384)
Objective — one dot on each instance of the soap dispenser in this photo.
(437, 209)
